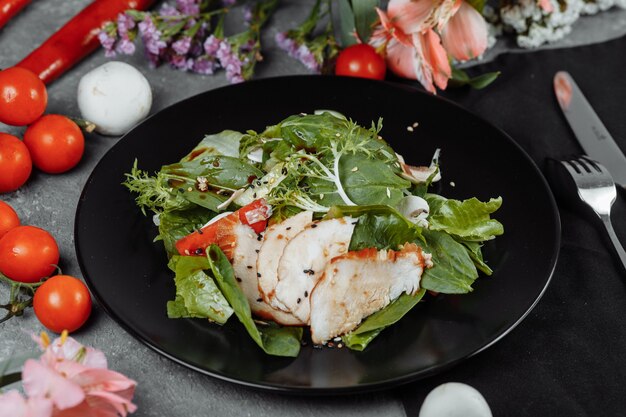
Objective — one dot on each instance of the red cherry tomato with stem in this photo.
(361, 60)
(15, 163)
(62, 303)
(28, 254)
(55, 142)
(8, 218)
(23, 97)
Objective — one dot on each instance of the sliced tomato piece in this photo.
(221, 233)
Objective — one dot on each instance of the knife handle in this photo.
(619, 249)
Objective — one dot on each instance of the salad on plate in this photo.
(313, 223)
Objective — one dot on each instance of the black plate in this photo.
(127, 272)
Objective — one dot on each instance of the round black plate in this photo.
(127, 273)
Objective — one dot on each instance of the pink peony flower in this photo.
(13, 404)
(420, 34)
(75, 379)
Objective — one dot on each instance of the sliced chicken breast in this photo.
(304, 258)
(360, 283)
(244, 246)
(274, 241)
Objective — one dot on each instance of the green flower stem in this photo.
(17, 304)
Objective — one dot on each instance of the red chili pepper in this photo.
(9, 8)
(78, 38)
(221, 232)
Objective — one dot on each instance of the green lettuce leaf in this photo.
(475, 252)
(196, 293)
(468, 219)
(359, 338)
(223, 143)
(453, 271)
(278, 341)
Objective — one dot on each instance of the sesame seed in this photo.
(238, 279)
(258, 300)
(415, 124)
(340, 345)
(258, 274)
(321, 196)
(313, 226)
(355, 169)
(388, 193)
(187, 252)
(306, 294)
(452, 184)
(249, 266)
(189, 189)
(330, 345)
(257, 250)
(409, 128)
(337, 339)
(298, 300)
(289, 228)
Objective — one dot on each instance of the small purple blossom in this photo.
(180, 62)
(204, 65)
(125, 46)
(182, 46)
(152, 40)
(167, 10)
(188, 7)
(287, 44)
(108, 43)
(305, 56)
(211, 45)
(247, 14)
(124, 24)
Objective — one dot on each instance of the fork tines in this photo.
(584, 164)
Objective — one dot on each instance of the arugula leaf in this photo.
(359, 338)
(221, 172)
(453, 271)
(196, 293)
(312, 131)
(460, 78)
(278, 341)
(175, 225)
(366, 181)
(223, 143)
(468, 219)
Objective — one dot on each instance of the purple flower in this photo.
(305, 56)
(125, 46)
(188, 7)
(247, 14)
(286, 43)
(180, 62)
(152, 40)
(181, 46)
(204, 65)
(124, 24)
(235, 79)
(168, 10)
(108, 43)
(211, 45)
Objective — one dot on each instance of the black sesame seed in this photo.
(254, 195)
(313, 226)
(289, 228)
(238, 279)
(249, 266)
(259, 238)
(256, 250)
(306, 294)
(200, 232)
(298, 300)
(258, 274)
(258, 300)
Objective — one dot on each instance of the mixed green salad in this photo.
(325, 164)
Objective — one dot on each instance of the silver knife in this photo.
(588, 128)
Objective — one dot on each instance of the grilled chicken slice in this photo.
(360, 283)
(274, 241)
(304, 258)
(243, 247)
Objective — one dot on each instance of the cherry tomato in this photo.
(8, 218)
(15, 163)
(28, 254)
(56, 143)
(361, 60)
(62, 303)
(23, 97)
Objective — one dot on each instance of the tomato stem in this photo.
(20, 297)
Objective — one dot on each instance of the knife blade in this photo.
(591, 133)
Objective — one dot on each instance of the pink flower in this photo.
(13, 404)
(420, 34)
(75, 379)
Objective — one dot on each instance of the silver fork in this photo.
(596, 189)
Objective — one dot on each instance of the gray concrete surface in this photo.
(49, 201)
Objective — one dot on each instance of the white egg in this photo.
(455, 399)
(115, 97)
